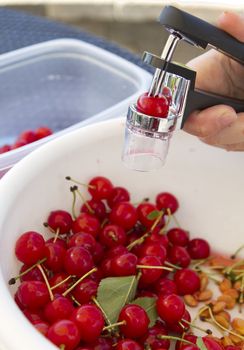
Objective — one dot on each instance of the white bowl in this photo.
(208, 183)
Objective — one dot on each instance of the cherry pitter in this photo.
(172, 95)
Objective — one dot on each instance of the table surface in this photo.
(18, 29)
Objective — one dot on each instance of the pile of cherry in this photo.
(27, 137)
(113, 276)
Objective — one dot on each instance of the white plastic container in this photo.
(208, 183)
(63, 84)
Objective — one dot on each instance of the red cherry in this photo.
(58, 278)
(97, 206)
(177, 328)
(42, 327)
(85, 240)
(187, 281)
(43, 131)
(85, 290)
(33, 317)
(188, 347)
(167, 93)
(150, 275)
(190, 337)
(90, 322)
(116, 251)
(59, 241)
(18, 144)
(27, 136)
(124, 214)
(106, 267)
(78, 261)
(165, 286)
(124, 265)
(143, 210)
(128, 344)
(58, 309)
(166, 201)
(157, 237)
(178, 255)
(112, 236)
(100, 187)
(30, 247)
(33, 294)
(155, 106)
(98, 252)
(102, 344)
(136, 321)
(232, 347)
(54, 254)
(65, 333)
(212, 344)
(198, 248)
(18, 302)
(60, 220)
(152, 338)
(177, 236)
(118, 195)
(33, 275)
(153, 249)
(5, 148)
(86, 223)
(170, 308)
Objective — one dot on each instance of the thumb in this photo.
(233, 24)
(210, 121)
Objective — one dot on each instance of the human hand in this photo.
(219, 125)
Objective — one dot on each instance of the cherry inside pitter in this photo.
(113, 274)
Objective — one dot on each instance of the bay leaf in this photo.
(153, 215)
(149, 305)
(200, 344)
(114, 293)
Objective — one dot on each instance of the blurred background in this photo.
(131, 24)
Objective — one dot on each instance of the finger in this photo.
(233, 24)
(236, 147)
(210, 121)
(232, 134)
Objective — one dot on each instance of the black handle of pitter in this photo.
(198, 100)
(201, 33)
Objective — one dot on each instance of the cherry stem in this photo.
(61, 282)
(200, 262)
(73, 190)
(229, 269)
(164, 229)
(233, 256)
(56, 235)
(102, 310)
(14, 279)
(207, 331)
(79, 183)
(45, 224)
(222, 327)
(75, 301)
(91, 211)
(46, 281)
(154, 267)
(172, 265)
(79, 280)
(62, 347)
(104, 222)
(121, 323)
(161, 337)
(147, 234)
(176, 220)
(241, 299)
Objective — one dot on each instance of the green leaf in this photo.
(201, 344)
(149, 305)
(153, 215)
(114, 292)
